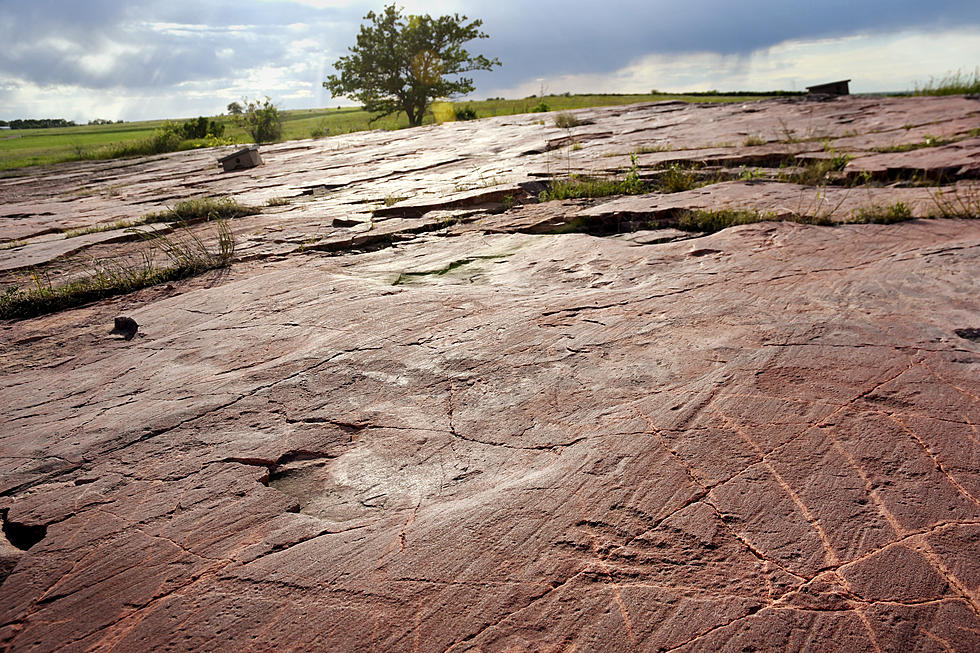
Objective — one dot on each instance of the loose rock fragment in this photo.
(125, 327)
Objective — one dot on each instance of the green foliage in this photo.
(401, 63)
(928, 141)
(391, 200)
(201, 208)
(39, 123)
(261, 121)
(897, 212)
(576, 186)
(321, 130)
(957, 83)
(671, 180)
(200, 128)
(541, 107)
(465, 113)
(235, 109)
(817, 171)
(712, 221)
(676, 179)
(566, 120)
(185, 254)
(753, 141)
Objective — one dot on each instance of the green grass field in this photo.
(28, 147)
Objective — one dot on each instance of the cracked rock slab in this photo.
(459, 430)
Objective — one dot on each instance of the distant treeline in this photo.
(37, 123)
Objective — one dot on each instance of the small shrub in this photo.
(541, 107)
(261, 121)
(465, 113)
(278, 201)
(321, 130)
(566, 120)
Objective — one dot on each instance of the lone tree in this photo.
(401, 63)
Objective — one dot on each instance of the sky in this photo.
(149, 59)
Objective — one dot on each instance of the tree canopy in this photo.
(401, 63)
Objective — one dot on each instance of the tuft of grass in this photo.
(12, 244)
(199, 209)
(187, 211)
(186, 254)
(278, 201)
(754, 140)
(928, 141)
(391, 200)
(875, 214)
(712, 221)
(566, 120)
(575, 187)
(676, 179)
(671, 180)
(957, 83)
(816, 172)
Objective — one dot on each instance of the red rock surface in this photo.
(487, 438)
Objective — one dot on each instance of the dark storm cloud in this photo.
(552, 37)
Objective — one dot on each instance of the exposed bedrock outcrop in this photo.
(489, 437)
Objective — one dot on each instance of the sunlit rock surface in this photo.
(415, 415)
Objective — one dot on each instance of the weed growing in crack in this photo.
(567, 120)
(391, 200)
(673, 179)
(712, 221)
(278, 201)
(676, 179)
(876, 214)
(960, 202)
(752, 141)
(186, 211)
(928, 141)
(186, 255)
(817, 172)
